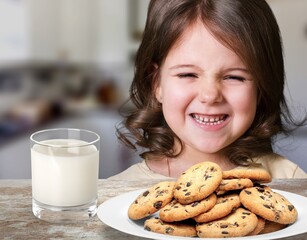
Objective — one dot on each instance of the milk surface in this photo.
(66, 176)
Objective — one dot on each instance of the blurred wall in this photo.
(292, 20)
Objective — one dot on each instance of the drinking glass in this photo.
(64, 167)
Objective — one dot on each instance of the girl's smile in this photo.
(210, 122)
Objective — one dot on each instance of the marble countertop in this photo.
(18, 222)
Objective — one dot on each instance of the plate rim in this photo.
(134, 230)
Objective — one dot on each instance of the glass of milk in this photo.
(64, 167)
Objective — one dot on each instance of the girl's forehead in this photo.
(194, 39)
(195, 28)
(187, 32)
(181, 39)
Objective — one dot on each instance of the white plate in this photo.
(113, 213)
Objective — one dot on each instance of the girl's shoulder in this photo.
(138, 171)
(280, 167)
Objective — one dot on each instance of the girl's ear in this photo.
(156, 84)
(158, 93)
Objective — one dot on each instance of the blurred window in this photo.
(13, 31)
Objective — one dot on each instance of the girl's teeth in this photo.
(209, 120)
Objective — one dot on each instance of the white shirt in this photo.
(276, 165)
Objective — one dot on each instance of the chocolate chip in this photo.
(188, 184)
(207, 177)
(145, 193)
(236, 224)
(267, 206)
(225, 232)
(160, 193)
(169, 230)
(233, 209)
(195, 204)
(224, 200)
(224, 226)
(147, 228)
(248, 192)
(158, 204)
(290, 207)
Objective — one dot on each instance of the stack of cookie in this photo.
(208, 202)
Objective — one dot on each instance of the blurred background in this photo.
(69, 63)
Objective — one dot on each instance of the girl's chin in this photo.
(206, 149)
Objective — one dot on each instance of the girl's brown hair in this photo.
(249, 28)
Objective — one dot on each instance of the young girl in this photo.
(208, 86)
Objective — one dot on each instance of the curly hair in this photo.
(247, 27)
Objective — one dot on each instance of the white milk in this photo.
(64, 176)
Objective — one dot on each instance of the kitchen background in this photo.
(69, 63)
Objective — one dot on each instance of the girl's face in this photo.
(208, 95)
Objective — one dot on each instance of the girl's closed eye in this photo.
(235, 78)
(187, 75)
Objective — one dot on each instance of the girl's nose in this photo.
(210, 92)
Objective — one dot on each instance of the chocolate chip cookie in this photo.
(256, 174)
(175, 211)
(198, 182)
(268, 204)
(239, 223)
(233, 184)
(151, 200)
(174, 229)
(224, 205)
